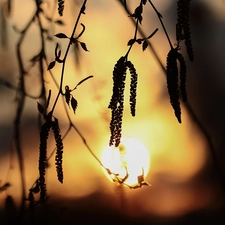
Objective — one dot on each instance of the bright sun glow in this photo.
(131, 157)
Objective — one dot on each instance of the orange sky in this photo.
(178, 152)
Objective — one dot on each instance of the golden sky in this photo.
(178, 152)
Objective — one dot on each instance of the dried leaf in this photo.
(5, 186)
(59, 22)
(51, 65)
(67, 94)
(36, 188)
(48, 100)
(35, 58)
(83, 9)
(144, 45)
(131, 42)
(138, 11)
(40, 108)
(60, 35)
(74, 104)
(83, 45)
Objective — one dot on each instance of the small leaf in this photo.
(74, 104)
(48, 100)
(59, 22)
(67, 94)
(131, 42)
(138, 11)
(51, 65)
(36, 188)
(60, 35)
(35, 58)
(5, 186)
(83, 9)
(48, 18)
(40, 108)
(83, 45)
(144, 45)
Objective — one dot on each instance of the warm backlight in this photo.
(131, 159)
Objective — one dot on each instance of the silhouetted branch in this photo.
(187, 106)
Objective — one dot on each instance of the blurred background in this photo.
(186, 187)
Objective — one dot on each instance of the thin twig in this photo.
(160, 19)
(135, 35)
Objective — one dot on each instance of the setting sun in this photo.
(128, 161)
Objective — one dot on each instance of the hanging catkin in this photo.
(117, 101)
(183, 30)
(172, 82)
(60, 7)
(43, 158)
(59, 149)
(133, 87)
(183, 72)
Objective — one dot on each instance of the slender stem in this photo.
(81, 135)
(87, 146)
(135, 35)
(160, 19)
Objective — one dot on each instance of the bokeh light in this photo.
(130, 158)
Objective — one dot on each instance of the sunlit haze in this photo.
(169, 155)
(130, 158)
